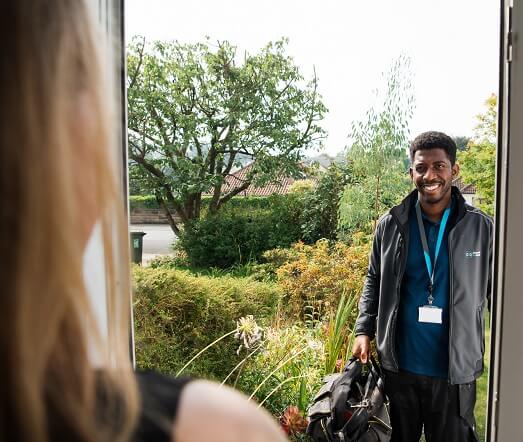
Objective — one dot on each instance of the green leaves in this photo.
(321, 205)
(377, 154)
(478, 161)
(339, 334)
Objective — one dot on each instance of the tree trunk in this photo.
(167, 212)
(197, 206)
(214, 204)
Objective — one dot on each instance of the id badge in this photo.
(430, 314)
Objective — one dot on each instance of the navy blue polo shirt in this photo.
(423, 348)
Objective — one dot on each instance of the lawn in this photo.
(482, 387)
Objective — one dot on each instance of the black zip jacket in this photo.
(470, 264)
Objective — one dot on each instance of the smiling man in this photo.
(424, 297)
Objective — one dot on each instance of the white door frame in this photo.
(110, 14)
(506, 386)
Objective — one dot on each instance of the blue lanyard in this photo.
(428, 261)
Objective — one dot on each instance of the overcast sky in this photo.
(453, 45)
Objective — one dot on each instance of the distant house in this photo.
(467, 190)
(281, 186)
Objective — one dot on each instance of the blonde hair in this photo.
(50, 73)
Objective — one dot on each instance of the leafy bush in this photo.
(177, 314)
(246, 203)
(316, 276)
(321, 204)
(362, 203)
(177, 260)
(237, 236)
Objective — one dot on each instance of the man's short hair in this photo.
(434, 140)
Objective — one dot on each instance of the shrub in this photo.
(316, 276)
(177, 314)
(235, 236)
(178, 259)
(303, 186)
(225, 239)
(321, 205)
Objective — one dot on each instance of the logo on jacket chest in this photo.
(472, 254)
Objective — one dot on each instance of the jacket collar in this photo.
(401, 211)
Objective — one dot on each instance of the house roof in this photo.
(281, 186)
(467, 189)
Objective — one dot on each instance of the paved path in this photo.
(158, 240)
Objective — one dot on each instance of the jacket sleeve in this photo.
(369, 300)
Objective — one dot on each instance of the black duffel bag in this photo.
(351, 406)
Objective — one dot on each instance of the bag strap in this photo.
(377, 375)
(375, 364)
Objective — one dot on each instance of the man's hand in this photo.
(361, 348)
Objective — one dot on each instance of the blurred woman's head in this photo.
(56, 181)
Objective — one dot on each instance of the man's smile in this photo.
(432, 187)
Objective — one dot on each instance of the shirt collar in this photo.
(425, 218)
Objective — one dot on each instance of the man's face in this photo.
(432, 174)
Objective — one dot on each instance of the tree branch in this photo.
(311, 115)
(233, 192)
(167, 213)
(144, 135)
(138, 66)
(161, 176)
(160, 124)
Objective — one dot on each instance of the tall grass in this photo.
(339, 335)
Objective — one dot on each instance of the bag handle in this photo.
(374, 369)
(371, 361)
(377, 374)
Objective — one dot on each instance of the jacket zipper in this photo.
(393, 340)
(395, 312)
(451, 300)
(451, 292)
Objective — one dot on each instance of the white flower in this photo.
(314, 344)
(247, 332)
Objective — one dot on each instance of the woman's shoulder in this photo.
(159, 399)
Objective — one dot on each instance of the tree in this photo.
(378, 154)
(478, 162)
(462, 142)
(196, 114)
(321, 204)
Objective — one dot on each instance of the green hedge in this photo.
(143, 202)
(235, 236)
(239, 202)
(176, 314)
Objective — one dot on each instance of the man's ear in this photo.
(455, 170)
(410, 173)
